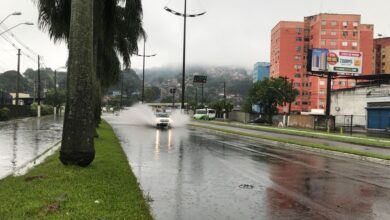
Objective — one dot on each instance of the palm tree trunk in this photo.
(77, 139)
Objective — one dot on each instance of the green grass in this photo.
(105, 190)
(301, 143)
(374, 142)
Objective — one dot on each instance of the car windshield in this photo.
(201, 112)
(162, 115)
(212, 111)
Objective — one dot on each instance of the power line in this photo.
(10, 33)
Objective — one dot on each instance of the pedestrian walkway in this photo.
(22, 140)
(323, 141)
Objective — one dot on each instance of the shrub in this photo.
(45, 109)
(4, 114)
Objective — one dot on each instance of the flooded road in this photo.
(196, 174)
(24, 139)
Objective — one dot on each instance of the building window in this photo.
(299, 39)
(383, 64)
(345, 33)
(355, 33)
(304, 103)
(323, 32)
(355, 24)
(298, 30)
(333, 33)
(297, 66)
(344, 44)
(298, 49)
(296, 103)
(323, 23)
(354, 45)
(322, 82)
(342, 83)
(297, 75)
(323, 42)
(345, 24)
(297, 57)
(322, 92)
(333, 23)
(333, 43)
(296, 84)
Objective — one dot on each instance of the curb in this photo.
(303, 148)
(22, 169)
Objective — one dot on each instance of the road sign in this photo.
(172, 90)
(200, 79)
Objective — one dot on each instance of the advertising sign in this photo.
(345, 61)
(319, 60)
(336, 61)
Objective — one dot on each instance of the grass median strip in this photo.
(299, 142)
(105, 190)
(374, 142)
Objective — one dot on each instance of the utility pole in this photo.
(196, 97)
(143, 74)
(183, 86)
(55, 92)
(185, 15)
(290, 101)
(121, 102)
(202, 94)
(18, 79)
(39, 87)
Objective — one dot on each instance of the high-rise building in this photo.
(291, 40)
(260, 71)
(382, 55)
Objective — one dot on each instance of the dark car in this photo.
(259, 120)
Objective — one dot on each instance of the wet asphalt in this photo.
(22, 140)
(198, 174)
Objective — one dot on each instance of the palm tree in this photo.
(77, 138)
(117, 28)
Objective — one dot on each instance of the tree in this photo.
(152, 93)
(78, 133)
(117, 26)
(55, 99)
(270, 93)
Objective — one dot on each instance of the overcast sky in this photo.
(233, 32)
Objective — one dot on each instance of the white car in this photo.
(163, 120)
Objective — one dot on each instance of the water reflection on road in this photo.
(24, 139)
(194, 174)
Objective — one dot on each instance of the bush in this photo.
(4, 114)
(45, 110)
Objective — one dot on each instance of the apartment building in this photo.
(382, 55)
(291, 40)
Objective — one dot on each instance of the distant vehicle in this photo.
(163, 120)
(205, 114)
(259, 120)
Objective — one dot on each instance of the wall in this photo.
(241, 116)
(301, 121)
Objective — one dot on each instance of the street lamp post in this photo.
(55, 88)
(143, 70)
(185, 15)
(15, 13)
(24, 23)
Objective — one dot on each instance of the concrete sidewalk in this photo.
(324, 141)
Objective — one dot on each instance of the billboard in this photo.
(335, 61)
(345, 61)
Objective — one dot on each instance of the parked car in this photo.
(204, 114)
(163, 120)
(259, 120)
